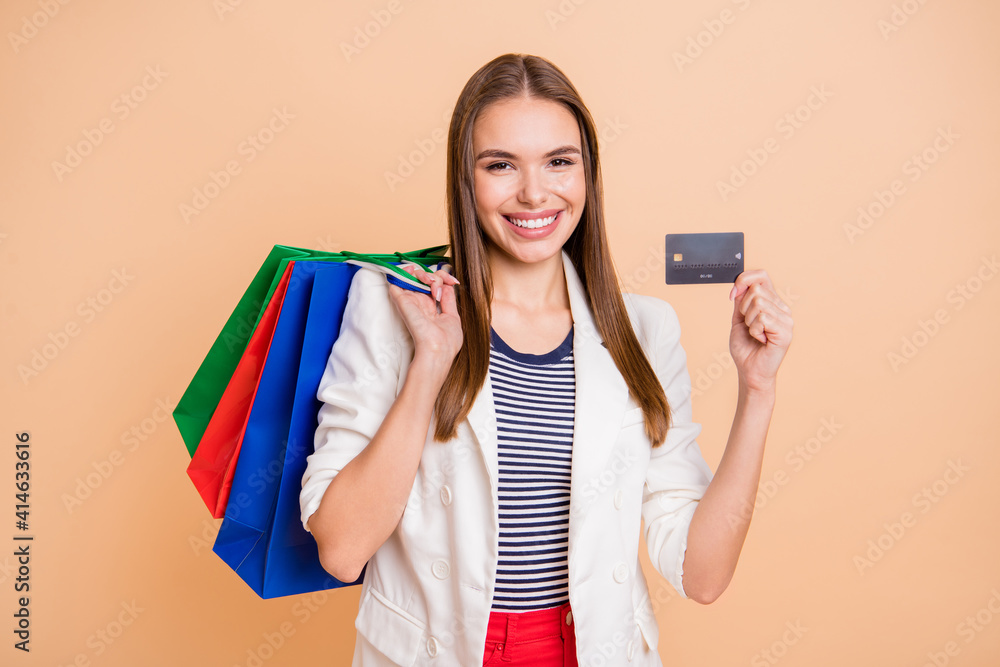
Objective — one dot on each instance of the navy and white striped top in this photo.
(534, 396)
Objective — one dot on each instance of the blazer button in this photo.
(618, 499)
(446, 495)
(440, 569)
(432, 647)
(621, 572)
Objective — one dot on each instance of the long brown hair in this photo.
(516, 75)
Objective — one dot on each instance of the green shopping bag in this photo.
(198, 404)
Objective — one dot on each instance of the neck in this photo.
(531, 287)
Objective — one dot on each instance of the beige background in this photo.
(893, 75)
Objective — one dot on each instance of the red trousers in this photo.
(543, 638)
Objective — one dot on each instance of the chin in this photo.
(537, 253)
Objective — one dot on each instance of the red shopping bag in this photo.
(214, 461)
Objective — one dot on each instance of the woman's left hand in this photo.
(761, 332)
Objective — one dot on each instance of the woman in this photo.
(489, 450)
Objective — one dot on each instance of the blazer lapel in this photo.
(482, 421)
(601, 399)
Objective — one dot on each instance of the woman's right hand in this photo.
(436, 335)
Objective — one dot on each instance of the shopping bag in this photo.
(199, 401)
(214, 461)
(261, 536)
(293, 556)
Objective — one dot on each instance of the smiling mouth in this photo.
(533, 223)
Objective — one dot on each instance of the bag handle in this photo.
(393, 273)
(434, 250)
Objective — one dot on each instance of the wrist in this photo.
(760, 392)
(430, 369)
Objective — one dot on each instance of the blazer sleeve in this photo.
(678, 474)
(358, 386)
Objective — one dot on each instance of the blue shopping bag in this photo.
(292, 548)
(261, 536)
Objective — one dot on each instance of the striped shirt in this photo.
(534, 397)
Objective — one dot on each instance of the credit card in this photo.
(715, 257)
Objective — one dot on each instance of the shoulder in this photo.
(370, 281)
(369, 306)
(653, 319)
(369, 293)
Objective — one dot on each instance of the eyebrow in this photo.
(497, 153)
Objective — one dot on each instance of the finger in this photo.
(415, 270)
(744, 302)
(754, 276)
(756, 296)
(430, 279)
(436, 283)
(761, 315)
(762, 302)
(751, 285)
(759, 294)
(760, 329)
(757, 328)
(747, 279)
(415, 304)
(775, 327)
(449, 302)
(446, 278)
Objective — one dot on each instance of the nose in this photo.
(534, 189)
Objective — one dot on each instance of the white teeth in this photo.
(534, 224)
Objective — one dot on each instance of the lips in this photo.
(533, 220)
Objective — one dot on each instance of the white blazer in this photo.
(428, 590)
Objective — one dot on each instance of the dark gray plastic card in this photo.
(715, 257)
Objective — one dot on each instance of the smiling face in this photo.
(530, 184)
